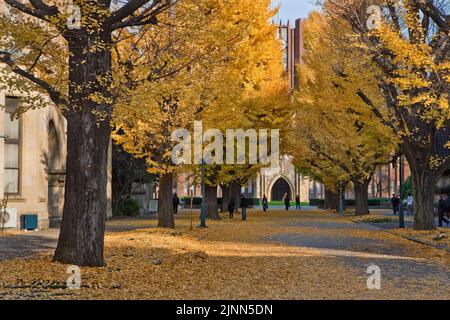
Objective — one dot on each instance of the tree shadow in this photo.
(22, 246)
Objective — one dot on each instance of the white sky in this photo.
(293, 9)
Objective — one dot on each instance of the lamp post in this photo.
(192, 199)
(203, 205)
(341, 198)
(401, 213)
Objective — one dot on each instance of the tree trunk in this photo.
(81, 238)
(233, 190)
(226, 197)
(331, 200)
(212, 211)
(424, 180)
(236, 194)
(166, 217)
(424, 185)
(389, 181)
(361, 197)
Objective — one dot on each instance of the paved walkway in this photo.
(409, 220)
(355, 246)
(29, 243)
(338, 250)
(394, 271)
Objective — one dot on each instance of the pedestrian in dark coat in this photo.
(265, 203)
(447, 206)
(244, 207)
(231, 207)
(287, 202)
(395, 201)
(298, 203)
(441, 212)
(176, 203)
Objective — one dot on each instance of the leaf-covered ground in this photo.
(279, 255)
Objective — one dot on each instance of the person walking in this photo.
(447, 206)
(410, 205)
(297, 203)
(244, 207)
(265, 203)
(231, 207)
(287, 202)
(441, 212)
(395, 203)
(176, 203)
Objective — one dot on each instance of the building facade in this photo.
(33, 161)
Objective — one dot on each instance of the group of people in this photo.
(265, 205)
(243, 205)
(442, 208)
(409, 201)
(231, 206)
(287, 202)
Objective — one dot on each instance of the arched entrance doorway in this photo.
(279, 189)
(56, 175)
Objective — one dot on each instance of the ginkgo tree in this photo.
(336, 134)
(260, 99)
(66, 53)
(409, 41)
(269, 111)
(219, 64)
(166, 76)
(268, 108)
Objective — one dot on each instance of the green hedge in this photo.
(373, 202)
(281, 203)
(197, 201)
(130, 208)
(317, 202)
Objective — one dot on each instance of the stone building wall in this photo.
(42, 164)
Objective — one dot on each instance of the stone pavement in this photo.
(409, 220)
(28, 243)
(355, 246)
(394, 271)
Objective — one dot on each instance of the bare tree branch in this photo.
(429, 8)
(147, 16)
(39, 9)
(40, 5)
(374, 109)
(54, 94)
(128, 9)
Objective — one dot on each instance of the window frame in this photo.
(18, 142)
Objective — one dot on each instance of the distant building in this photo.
(276, 183)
